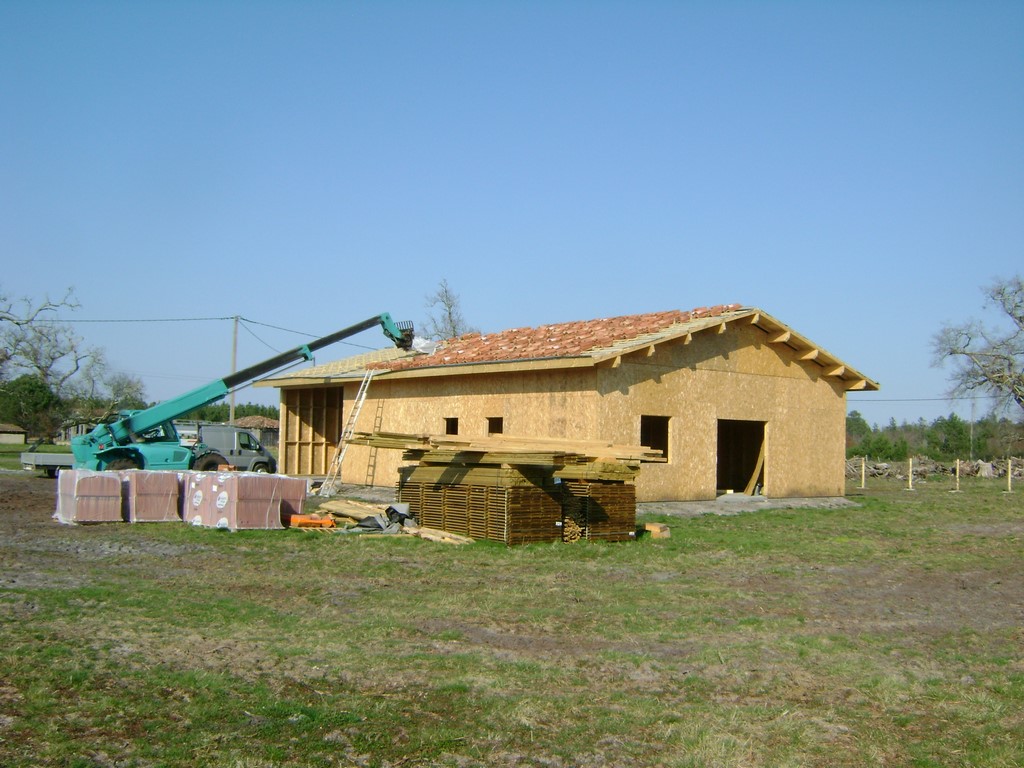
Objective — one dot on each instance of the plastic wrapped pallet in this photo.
(197, 503)
(242, 500)
(87, 496)
(292, 491)
(149, 495)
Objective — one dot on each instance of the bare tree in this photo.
(50, 350)
(35, 344)
(988, 359)
(16, 317)
(446, 322)
(96, 393)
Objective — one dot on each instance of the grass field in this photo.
(887, 634)
(10, 455)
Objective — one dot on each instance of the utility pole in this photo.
(972, 428)
(234, 369)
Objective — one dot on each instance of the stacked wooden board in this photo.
(602, 511)
(519, 491)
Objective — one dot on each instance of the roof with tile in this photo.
(585, 342)
(257, 422)
(585, 338)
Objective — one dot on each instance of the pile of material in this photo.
(242, 500)
(519, 491)
(230, 500)
(88, 497)
(348, 516)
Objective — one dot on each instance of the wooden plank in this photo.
(658, 530)
(513, 449)
(757, 470)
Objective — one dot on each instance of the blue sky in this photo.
(854, 169)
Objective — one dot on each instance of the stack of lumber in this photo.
(602, 511)
(569, 459)
(519, 491)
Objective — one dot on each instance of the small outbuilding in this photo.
(735, 399)
(11, 434)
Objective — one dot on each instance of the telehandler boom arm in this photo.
(126, 430)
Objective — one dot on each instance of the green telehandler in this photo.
(147, 439)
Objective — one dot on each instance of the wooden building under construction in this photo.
(733, 397)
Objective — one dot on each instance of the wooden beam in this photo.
(752, 483)
(838, 370)
(781, 338)
(811, 354)
(859, 384)
(721, 328)
(688, 338)
(755, 318)
(650, 351)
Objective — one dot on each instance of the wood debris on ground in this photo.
(348, 514)
(658, 530)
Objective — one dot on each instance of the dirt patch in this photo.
(739, 503)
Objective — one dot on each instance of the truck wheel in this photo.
(210, 462)
(261, 468)
(126, 462)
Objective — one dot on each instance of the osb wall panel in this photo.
(544, 403)
(311, 421)
(733, 375)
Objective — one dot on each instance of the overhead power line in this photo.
(242, 320)
(144, 320)
(921, 399)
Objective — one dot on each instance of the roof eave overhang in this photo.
(809, 353)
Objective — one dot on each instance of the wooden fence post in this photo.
(910, 473)
(1009, 475)
(957, 488)
(863, 471)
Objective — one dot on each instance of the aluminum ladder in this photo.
(334, 472)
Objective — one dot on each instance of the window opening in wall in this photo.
(741, 456)
(654, 433)
(495, 425)
(451, 425)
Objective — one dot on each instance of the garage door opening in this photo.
(740, 456)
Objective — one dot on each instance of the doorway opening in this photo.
(741, 454)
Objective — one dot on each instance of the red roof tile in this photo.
(575, 339)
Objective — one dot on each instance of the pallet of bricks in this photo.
(515, 495)
(230, 500)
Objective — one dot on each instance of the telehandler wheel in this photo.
(126, 462)
(210, 462)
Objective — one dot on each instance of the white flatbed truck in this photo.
(49, 463)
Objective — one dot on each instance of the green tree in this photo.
(949, 438)
(857, 431)
(878, 447)
(219, 412)
(29, 402)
